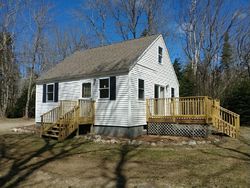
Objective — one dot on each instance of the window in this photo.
(156, 91)
(172, 92)
(104, 88)
(86, 90)
(159, 91)
(141, 89)
(159, 54)
(50, 92)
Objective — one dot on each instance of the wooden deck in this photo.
(62, 121)
(193, 110)
(65, 119)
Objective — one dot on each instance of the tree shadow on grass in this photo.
(240, 155)
(25, 165)
(125, 154)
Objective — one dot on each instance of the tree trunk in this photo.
(29, 93)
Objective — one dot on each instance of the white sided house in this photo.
(118, 77)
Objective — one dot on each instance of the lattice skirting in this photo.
(161, 128)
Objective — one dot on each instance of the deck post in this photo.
(238, 126)
(206, 108)
(41, 128)
(93, 117)
(77, 131)
(147, 110)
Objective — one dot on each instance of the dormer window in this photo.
(160, 55)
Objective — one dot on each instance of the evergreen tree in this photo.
(187, 82)
(177, 68)
(238, 100)
(226, 58)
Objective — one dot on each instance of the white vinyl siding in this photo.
(153, 74)
(108, 112)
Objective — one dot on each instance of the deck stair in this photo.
(193, 110)
(59, 123)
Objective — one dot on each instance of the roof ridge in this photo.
(113, 58)
(115, 43)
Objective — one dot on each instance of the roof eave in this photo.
(81, 76)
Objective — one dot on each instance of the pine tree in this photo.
(177, 68)
(187, 82)
(238, 100)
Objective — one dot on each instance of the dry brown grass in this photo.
(28, 161)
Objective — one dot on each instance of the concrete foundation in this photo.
(129, 132)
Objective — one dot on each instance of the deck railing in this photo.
(86, 107)
(186, 109)
(181, 106)
(67, 105)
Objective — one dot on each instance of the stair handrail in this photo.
(72, 115)
(227, 118)
(50, 118)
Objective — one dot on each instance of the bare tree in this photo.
(204, 25)
(69, 41)
(127, 14)
(243, 42)
(94, 12)
(8, 67)
(117, 13)
(34, 52)
(154, 13)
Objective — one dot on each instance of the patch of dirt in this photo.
(27, 129)
(7, 124)
(176, 139)
(155, 140)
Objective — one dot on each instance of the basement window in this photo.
(104, 88)
(141, 89)
(50, 92)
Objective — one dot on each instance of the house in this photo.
(118, 77)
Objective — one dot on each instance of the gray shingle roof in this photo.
(112, 59)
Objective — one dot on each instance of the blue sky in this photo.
(62, 16)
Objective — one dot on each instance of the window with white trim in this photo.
(104, 88)
(141, 89)
(86, 90)
(50, 92)
(160, 54)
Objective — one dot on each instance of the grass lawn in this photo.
(29, 161)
